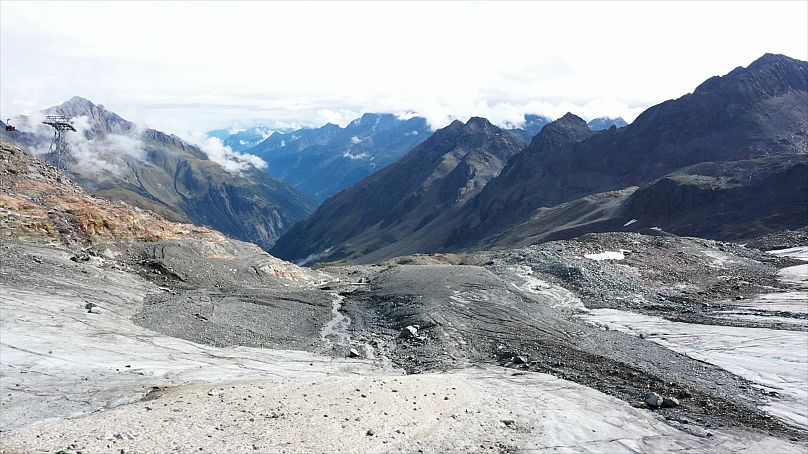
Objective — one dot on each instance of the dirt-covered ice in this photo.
(775, 359)
(472, 410)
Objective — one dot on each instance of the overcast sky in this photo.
(190, 67)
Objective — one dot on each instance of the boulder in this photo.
(653, 400)
(410, 332)
(670, 402)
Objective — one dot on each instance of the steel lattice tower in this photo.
(58, 150)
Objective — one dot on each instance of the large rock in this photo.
(410, 332)
(653, 400)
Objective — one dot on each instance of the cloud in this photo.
(232, 161)
(95, 156)
(594, 61)
(103, 154)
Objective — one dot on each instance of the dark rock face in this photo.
(167, 175)
(748, 114)
(510, 196)
(404, 205)
(321, 162)
(726, 200)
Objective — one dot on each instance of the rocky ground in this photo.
(123, 334)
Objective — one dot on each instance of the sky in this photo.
(187, 68)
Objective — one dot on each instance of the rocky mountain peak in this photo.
(479, 124)
(102, 121)
(567, 129)
(769, 75)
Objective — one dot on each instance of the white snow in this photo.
(355, 140)
(799, 252)
(608, 255)
(629, 223)
(349, 155)
(776, 359)
(796, 275)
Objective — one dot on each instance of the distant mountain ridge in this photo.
(246, 138)
(688, 166)
(601, 123)
(161, 172)
(323, 161)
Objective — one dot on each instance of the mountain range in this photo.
(687, 166)
(115, 159)
(243, 139)
(322, 161)
(402, 201)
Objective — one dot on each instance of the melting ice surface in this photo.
(775, 359)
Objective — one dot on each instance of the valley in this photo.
(227, 343)
(552, 286)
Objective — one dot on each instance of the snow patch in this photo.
(608, 255)
(799, 252)
(349, 155)
(629, 223)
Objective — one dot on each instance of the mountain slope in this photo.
(413, 196)
(748, 114)
(321, 162)
(113, 158)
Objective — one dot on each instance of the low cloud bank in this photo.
(232, 161)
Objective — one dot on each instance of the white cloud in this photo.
(500, 61)
(95, 156)
(230, 160)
